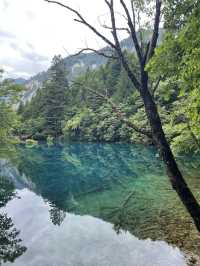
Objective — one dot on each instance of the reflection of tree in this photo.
(6, 191)
(99, 179)
(57, 216)
(64, 175)
(119, 214)
(10, 247)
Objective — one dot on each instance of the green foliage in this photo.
(32, 128)
(30, 143)
(84, 112)
(177, 60)
(89, 116)
(97, 125)
(9, 121)
(43, 116)
(49, 140)
(55, 97)
(176, 13)
(10, 92)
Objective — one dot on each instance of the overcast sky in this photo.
(33, 31)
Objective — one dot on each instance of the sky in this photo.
(33, 31)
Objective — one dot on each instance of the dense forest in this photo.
(100, 104)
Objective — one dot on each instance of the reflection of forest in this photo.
(10, 244)
(64, 174)
(121, 183)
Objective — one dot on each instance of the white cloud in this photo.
(32, 32)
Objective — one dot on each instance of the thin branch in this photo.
(140, 34)
(115, 46)
(133, 32)
(122, 15)
(118, 112)
(146, 53)
(156, 85)
(99, 52)
(109, 27)
(120, 115)
(133, 11)
(118, 29)
(155, 34)
(119, 50)
(116, 12)
(83, 21)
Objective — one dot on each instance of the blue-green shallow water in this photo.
(71, 197)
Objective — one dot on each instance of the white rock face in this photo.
(81, 240)
(77, 66)
(32, 88)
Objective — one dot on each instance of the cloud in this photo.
(30, 15)
(22, 68)
(21, 60)
(5, 4)
(6, 35)
(29, 55)
(32, 32)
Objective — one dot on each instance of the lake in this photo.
(93, 204)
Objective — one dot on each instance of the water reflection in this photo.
(81, 240)
(10, 243)
(122, 184)
(83, 169)
(57, 215)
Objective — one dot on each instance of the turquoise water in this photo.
(94, 204)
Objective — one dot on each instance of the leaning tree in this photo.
(144, 50)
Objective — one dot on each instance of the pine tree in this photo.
(55, 97)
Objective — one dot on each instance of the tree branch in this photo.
(155, 34)
(146, 53)
(119, 50)
(99, 52)
(118, 112)
(118, 29)
(115, 46)
(83, 21)
(133, 11)
(156, 85)
(133, 32)
(120, 115)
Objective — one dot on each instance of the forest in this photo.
(100, 104)
(146, 95)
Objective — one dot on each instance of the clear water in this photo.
(93, 204)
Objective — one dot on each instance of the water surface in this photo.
(95, 204)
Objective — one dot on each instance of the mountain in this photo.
(75, 66)
(78, 64)
(20, 81)
(17, 81)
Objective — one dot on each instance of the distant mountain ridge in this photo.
(77, 65)
(20, 81)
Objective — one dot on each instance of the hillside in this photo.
(75, 66)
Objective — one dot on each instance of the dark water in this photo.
(93, 204)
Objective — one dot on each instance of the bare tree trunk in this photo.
(177, 181)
